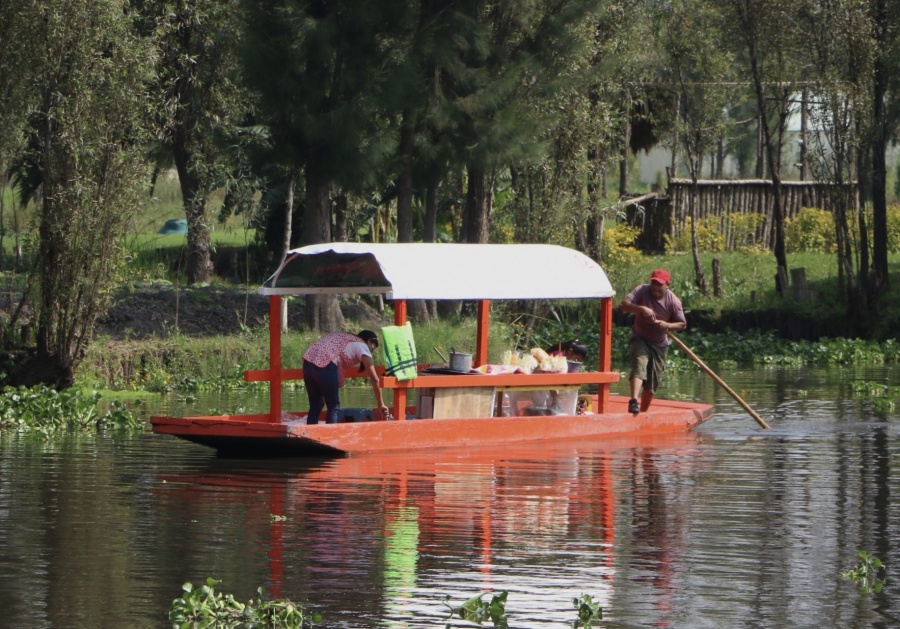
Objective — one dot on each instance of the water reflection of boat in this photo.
(463, 410)
(541, 522)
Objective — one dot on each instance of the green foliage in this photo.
(811, 231)
(740, 232)
(589, 612)
(477, 610)
(204, 607)
(870, 389)
(566, 320)
(865, 573)
(88, 135)
(618, 246)
(710, 238)
(882, 395)
(893, 227)
(44, 410)
(762, 349)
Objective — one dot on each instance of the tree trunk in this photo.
(774, 160)
(416, 308)
(429, 225)
(286, 242)
(323, 312)
(760, 148)
(593, 229)
(879, 150)
(199, 258)
(404, 181)
(341, 229)
(288, 218)
(804, 149)
(699, 275)
(626, 148)
(478, 206)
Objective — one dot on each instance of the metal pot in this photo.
(460, 361)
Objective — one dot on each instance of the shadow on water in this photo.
(727, 526)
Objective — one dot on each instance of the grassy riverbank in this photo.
(206, 338)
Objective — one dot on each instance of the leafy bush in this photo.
(618, 246)
(710, 236)
(811, 231)
(893, 228)
(740, 232)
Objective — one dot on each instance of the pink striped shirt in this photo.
(342, 348)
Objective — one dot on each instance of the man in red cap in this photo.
(656, 310)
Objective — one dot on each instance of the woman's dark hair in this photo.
(368, 335)
(576, 347)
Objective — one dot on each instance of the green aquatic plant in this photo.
(589, 612)
(477, 610)
(870, 388)
(45, 410)
(204, 607)
(865, 573)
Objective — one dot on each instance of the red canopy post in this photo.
(481, 342)
(399, 405)
(605, 363)
(274, 358)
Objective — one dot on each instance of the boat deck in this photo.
(251, 435)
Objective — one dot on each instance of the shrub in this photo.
(740, 231)
(618, 246)
(893, 228)
(710, 236)
(811, 231)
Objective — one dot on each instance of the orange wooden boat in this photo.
(451, 410)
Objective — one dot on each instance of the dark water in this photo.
(728, 526)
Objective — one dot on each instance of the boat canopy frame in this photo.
(472, 272)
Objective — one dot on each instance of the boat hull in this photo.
(255, 436)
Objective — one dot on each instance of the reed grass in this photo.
(180, 362)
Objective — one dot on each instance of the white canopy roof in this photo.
(440, 271)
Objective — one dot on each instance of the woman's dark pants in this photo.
(322, 386)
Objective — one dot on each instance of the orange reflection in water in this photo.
(415, 513)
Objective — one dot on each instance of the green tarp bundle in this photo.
(400, 351)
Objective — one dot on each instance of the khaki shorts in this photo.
(648, 362)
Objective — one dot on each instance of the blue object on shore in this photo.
(174, 226)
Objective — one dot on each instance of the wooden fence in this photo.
(667, 215)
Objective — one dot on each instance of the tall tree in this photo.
(16, 100)
(698, 67)
(318, 67)
(89, 134)
(885, 95)
(206, 104)
(514, 56)
(772, 52)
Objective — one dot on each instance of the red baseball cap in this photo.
(660, 275)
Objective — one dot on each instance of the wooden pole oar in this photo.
(718, 380)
